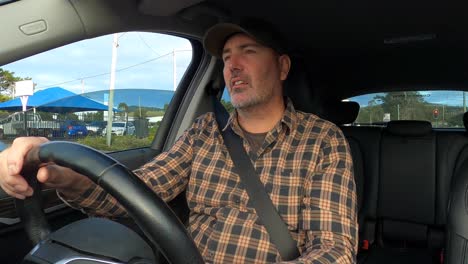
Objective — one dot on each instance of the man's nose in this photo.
(235, 63)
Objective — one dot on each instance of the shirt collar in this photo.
(289, 117)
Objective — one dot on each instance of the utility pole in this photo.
(174, 69)
(398, 111)
(464, 102)
(110, 113)
(443, 114)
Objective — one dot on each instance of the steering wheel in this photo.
(150, 212)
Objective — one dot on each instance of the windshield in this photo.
(118, 124)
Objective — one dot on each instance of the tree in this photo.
(93, 116)
(370, 114)
(4, 98)
(7, 82)
(140, 112)
(66, 116)
(123, 107)
(403, 105)
(227, 104)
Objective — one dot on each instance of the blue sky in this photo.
(144, 59)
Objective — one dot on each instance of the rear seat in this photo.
(403, 175)
(407, 196)
(363, 140)
(457, 233)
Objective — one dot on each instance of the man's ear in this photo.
(285, 65)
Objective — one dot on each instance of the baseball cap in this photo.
(263, 32)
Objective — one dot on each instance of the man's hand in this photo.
(65, 180)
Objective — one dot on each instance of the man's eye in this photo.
(226, 58)
(249, 51)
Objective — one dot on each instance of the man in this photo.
(303, 161)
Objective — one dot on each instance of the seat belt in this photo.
(259, 198)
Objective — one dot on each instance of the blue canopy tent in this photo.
(56, 100)
(76, 103)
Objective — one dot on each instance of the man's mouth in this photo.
(237, 83)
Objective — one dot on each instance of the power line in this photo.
(144, 62)
(107, 73)
(121, 35)
(146, 44)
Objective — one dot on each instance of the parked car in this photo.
(96, 127)
(73, 128)
(346, 56)
(121, 128)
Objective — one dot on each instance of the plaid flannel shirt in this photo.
(306, 168)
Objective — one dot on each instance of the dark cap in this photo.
(262, 32)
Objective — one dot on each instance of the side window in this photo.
(124, 80)
(444, 109)
(226, 100)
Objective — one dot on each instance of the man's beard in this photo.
(254, 100)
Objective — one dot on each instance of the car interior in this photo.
(411, 177)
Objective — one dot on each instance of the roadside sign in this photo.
(23, 89)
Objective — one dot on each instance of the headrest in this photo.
(340, 112)
(409, 127)
(465, 120)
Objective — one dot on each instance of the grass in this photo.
(117, 142)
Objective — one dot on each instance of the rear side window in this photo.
(444, 109)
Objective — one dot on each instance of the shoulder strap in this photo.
(259, 198)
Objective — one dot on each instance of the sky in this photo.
(144, 60)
